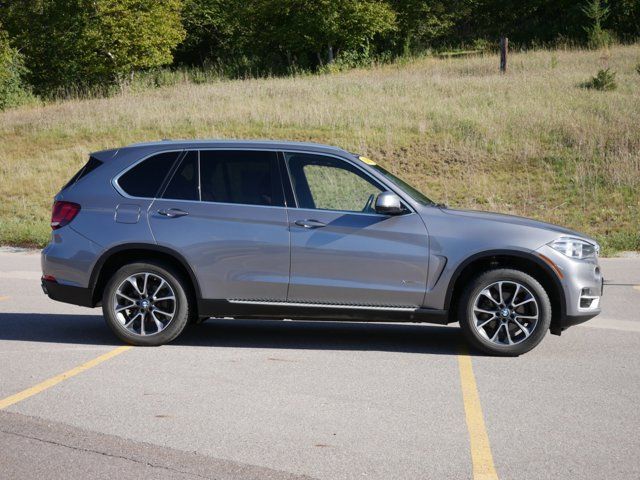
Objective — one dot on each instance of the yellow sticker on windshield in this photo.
(368, 161)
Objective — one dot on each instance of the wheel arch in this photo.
(525, 261)
(117, 256)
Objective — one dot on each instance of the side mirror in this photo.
(388, 203)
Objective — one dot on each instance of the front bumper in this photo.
(571, 320)
(582, 285)
(67, 293)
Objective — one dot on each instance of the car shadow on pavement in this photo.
(318, 335)
(56, 328)
(324, 335)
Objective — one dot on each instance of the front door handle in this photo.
(310, 223)
(172, 212)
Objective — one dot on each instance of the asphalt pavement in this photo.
(251, 399)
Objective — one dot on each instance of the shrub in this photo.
(605, 80)
(13, 90)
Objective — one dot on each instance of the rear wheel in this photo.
(147, 303)
(504, 312)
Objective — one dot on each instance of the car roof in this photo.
(150, 147)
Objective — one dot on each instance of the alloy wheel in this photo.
(145, 303)
(505, 313)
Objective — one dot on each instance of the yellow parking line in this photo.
(481, 457)
(29, 392)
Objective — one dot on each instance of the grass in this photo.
(531, 142)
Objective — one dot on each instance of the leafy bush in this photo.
(605, 80)
(13, 90)
(483, 44)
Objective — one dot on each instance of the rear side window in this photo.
(145, 179)
(89, 167)
(243, 177)
(184, 183)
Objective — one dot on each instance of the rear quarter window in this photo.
(145, 179)
(88, 167)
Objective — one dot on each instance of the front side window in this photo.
(327, 183)
(240, 176)
(144, 180)
(414, 193)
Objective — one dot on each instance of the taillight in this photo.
(62, 213)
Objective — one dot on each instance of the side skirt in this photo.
(308, 311)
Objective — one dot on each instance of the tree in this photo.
(597, 12)
(82, 43)
(624, 19)
(421, 22)
(302, 29)
(215, 31)
(130, 35)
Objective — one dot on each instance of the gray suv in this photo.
(170, 233)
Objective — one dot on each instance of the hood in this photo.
(515, 220)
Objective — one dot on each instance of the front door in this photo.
(223, 210)
(342, 251)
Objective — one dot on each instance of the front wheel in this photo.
(147, 303)
(504, 312)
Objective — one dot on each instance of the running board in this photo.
(327, 305)
(257, 309)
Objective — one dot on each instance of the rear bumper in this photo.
(67, 293)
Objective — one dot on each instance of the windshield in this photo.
(405, 187)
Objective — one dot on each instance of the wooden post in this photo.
(504, 49)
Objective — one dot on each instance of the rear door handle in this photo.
(172, 212)
(310, 223)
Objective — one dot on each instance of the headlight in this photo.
(575, 248)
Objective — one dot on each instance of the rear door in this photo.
(223, 210)
(342, 251)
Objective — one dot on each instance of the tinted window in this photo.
(184, 183)
(145, 179)
(89, 167)
(246, 177)
(328, 183)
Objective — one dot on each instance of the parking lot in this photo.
(235, 399)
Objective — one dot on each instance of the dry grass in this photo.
(530, 142)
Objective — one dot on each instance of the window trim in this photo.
(120, 190)
(185, 151)
(287, 188)
(285, 177)
(372, 179)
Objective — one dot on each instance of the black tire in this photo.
(184, 308)
(465, 312)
